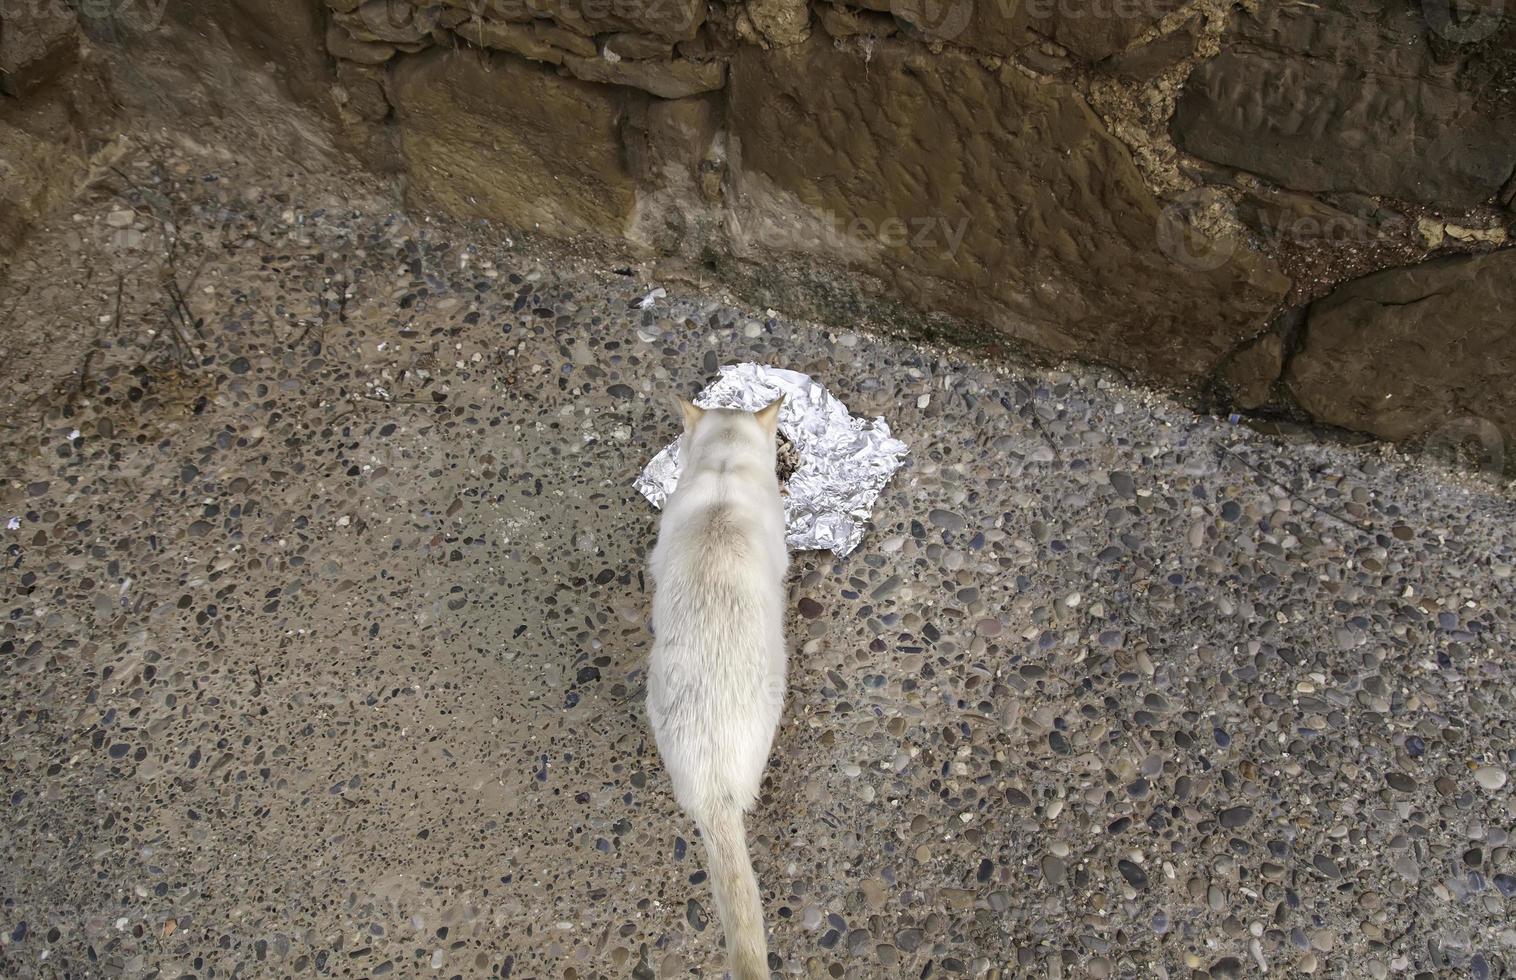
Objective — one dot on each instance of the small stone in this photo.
(1236, 816)
(1491, 778)
(946, 519)
(1133, 873)
(1327, 866)
(1228, 967)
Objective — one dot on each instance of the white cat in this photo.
(715, 685)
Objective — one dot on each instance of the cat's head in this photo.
(713, 433)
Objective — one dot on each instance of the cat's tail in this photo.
(736, 891)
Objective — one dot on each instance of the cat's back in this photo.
(719, 520)
(714, 548)
(719, 561)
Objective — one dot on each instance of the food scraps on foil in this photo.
(844, 461)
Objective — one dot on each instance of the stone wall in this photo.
(1283, 207)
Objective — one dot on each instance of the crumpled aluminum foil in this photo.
(844, 461)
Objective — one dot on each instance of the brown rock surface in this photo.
(37, 40)
(675, 20)
(1140, 63)
(1353, 97)
(56, 107)
(673, 148)
(567, 40)
(1091, 30)
(1250, 373)
(505, 36)
(628, 44)
(389, 22)
(1406, 352)
(1096, 29)
(363, 91)
(344, 46)
(36, 175)
(983, 195)
(674, 79)
(363, 109)
(290, 34)
(845, 22)
(493, 136)
(781, 22)
(662, 133)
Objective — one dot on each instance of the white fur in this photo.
(716, 673)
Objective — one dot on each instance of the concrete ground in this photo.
(322, 623)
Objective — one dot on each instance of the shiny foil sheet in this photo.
(844, 461)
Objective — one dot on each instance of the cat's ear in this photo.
(691, 413)
(768, 416)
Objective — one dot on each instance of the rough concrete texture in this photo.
(983, 194)
(1405, 353)
(324, 616)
